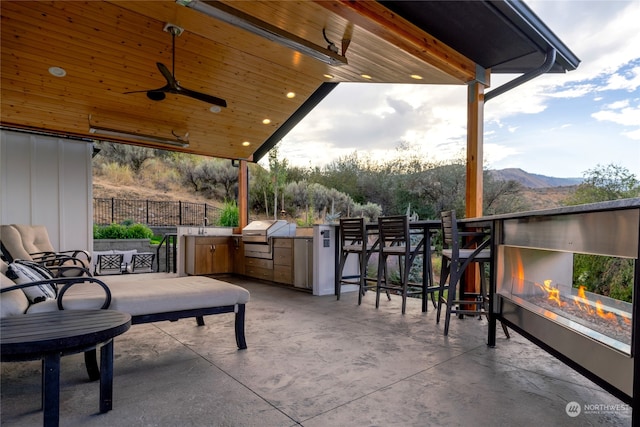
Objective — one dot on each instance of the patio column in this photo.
(475, 129)
(473, 197)
(243, 194)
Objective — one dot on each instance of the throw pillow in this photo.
(127, 256)
(12, 303)
(22, 272)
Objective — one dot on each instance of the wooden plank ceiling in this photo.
(108, 48)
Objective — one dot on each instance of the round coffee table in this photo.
(48, 336)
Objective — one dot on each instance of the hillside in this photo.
(103, 188)
(548, 197)
(531, 180)
(541, 192)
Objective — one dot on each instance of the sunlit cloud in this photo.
(621, 113)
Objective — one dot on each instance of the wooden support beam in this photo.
(380, 21)
(474, 184)
(475, 129)
(243, 194)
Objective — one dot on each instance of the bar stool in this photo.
(354, 240)
(395, 241)
(456, 257)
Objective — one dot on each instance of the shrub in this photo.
(122, 231)
(117, 174)
(139, 231)
(229, 215)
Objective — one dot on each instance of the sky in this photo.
(559, 125)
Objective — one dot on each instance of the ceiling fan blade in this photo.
(171, 80)
(136, 91)
(346, 37)
(173, 86)
(202, 96)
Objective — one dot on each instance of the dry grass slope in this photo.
(537, 198)
(104, 188)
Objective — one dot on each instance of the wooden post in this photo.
(473, 197)
(475, 129)
(243, 194)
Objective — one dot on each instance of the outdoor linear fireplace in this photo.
(535, 294)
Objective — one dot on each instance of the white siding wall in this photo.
(47, 180)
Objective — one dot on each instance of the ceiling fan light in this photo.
(156, 96)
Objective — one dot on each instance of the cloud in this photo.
(377, 118)
(620, 112)
(629, 81)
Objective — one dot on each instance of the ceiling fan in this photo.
(173, 85)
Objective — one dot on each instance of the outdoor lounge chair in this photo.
(32, 243)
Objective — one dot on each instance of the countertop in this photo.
(565, 210)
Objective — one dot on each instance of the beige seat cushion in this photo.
(35, 238)
(153, 296)
(12, 242)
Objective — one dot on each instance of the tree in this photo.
(602, 183)
(278, 173)
(260, 188)
(501, 196)
(187, 166)
(218, 177)
(601, 274)
(125, 154)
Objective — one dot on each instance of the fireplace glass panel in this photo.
(551, 284)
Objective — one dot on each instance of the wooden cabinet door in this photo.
(208, 255)
(283, 261)
(221, 256)
(203, 259)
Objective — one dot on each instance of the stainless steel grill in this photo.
(257, 236)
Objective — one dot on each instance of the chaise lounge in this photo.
(147, 298)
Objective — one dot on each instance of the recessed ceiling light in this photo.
(291, 95)
(215, 109)
(266, 121)
(57, 71)
(416, 76)
(366, 76)
(246, 144)
(328, 76)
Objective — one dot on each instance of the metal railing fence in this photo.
(153, 212)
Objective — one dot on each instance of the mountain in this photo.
(531, 180)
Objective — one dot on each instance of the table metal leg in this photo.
(91, 363)
(51, 389)
(106, 377)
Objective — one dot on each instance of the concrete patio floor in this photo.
(314, 361)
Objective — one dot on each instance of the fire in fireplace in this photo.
(602, 318)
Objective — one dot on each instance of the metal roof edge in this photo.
(291, 122)
(517, 8)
